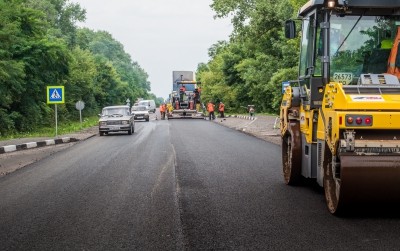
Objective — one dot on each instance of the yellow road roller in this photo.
(340, 120)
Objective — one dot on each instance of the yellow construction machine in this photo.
(340, 120)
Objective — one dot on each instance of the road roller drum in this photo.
(363, 181)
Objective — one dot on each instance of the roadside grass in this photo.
(62, 128)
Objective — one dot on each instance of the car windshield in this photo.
(114, 111)
(360, 45)
(144, 103)
(139, 108)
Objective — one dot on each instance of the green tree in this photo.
(29, 60)
(62, 17)
(41, 46)
(256, 54)
(103, 45)
(80, 83)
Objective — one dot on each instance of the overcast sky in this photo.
(161, 35)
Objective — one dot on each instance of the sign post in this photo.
(79, 106)
(55, 95)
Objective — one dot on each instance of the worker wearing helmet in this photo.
(182, 93)
(169, 108)
(387, 44)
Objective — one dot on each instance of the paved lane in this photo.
(232, 197)
(111, 192)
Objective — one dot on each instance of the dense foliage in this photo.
(41, 45)
(250, 68)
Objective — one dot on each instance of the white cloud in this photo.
(162, 36)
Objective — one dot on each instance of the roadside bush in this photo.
(274, 86)
(6, 123)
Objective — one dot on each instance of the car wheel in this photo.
(130, 131)
(101, 133)
(147, 119)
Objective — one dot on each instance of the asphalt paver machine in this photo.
(186, 101)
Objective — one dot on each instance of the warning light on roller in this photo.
(350, 120)
(358, 120)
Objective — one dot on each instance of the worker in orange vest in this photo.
(221, 109)
(210, 109)
(165, 109)
(162, 111)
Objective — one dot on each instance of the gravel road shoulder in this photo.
(263, 127)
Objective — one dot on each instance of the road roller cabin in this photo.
(340, 120)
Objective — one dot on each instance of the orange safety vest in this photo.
(162, 108)
(210, 107)
(221, 107)
(394, 68)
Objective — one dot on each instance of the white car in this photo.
(150, 104)
(116, 119)
(140, 112)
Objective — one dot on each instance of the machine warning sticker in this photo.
(343, 77)
(370, 98)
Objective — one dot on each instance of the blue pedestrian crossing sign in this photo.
(55, 95)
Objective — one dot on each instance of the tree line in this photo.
(41, 45)
(251, 66)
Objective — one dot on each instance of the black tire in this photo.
(131, 130)
(147, 119)
(291, 155)
(101, 133)
(332, 184)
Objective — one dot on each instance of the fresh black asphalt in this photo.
(175, 185)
